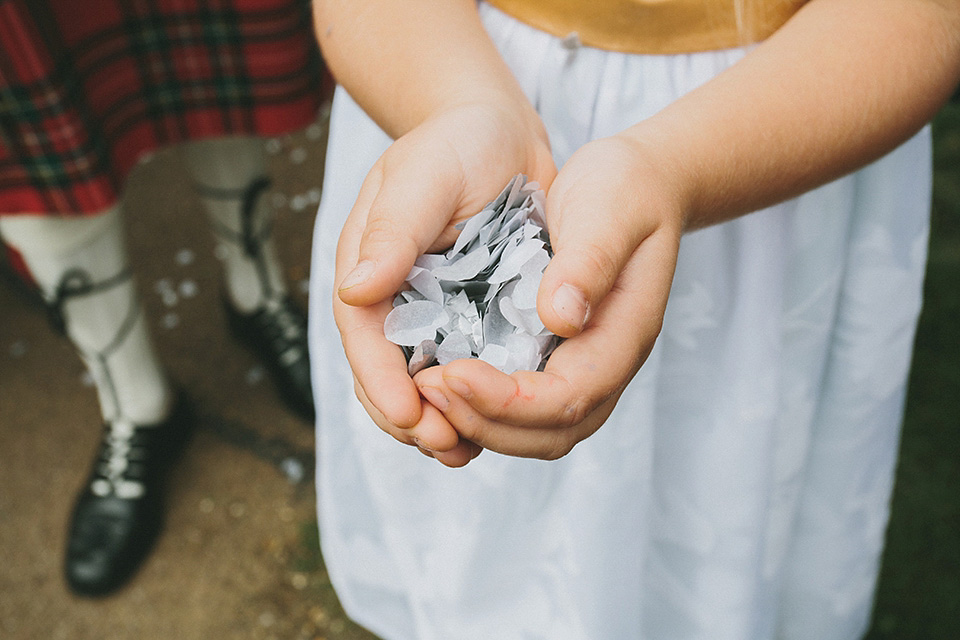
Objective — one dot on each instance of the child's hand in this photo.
(439, 173)
(615, 223)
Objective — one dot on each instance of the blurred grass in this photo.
(919, 592)
(308, 559)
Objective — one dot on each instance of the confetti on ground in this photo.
(478, 300)
(314, 132)
(18, 349)
(324, 114)
(299, 581)
(163, 284)
(237, 509)
(318, 616)
(298, 155)
(188, 289)
(273, 146)
(299, 202)
(254, 375)
(293, 469)
(184, 257)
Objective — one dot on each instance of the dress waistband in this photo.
(655, 26)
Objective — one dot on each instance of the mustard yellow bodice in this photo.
(655, 26)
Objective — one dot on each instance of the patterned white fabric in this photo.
(739, 491)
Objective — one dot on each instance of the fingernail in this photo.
(458, 386)
(423, 446)
(571, 305)
(435, 397)
(360, 274)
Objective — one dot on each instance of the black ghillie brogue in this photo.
(276, 331)
(119, 513)
(277, 334)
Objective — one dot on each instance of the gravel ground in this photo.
(239, 557)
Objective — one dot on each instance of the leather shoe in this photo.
(277, 334)
(119, 514)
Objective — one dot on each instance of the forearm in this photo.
(403, 60)
(844, 82)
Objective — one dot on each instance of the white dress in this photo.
(740, 491)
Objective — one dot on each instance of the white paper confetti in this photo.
(412, 323)
(426, 284)
(18, 349)
(298, 155)
(424, 355)
(454, 346)
(164, 284)
(478, 300)
(314, 131)
(254, 375)
(495, 355)
(184, 257)
(299, 202)
(188, 288)
(273, 146)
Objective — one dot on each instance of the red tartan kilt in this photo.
(87, 87)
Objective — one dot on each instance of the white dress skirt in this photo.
(740, 490)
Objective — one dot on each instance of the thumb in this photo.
(399, 213)
(592, 239)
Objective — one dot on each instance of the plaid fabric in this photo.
(88, 86)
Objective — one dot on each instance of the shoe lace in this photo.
(284, 324)
(120, 468)
(78, 283)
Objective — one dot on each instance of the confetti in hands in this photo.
(479, 299)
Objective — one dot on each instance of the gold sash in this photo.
(655, 26)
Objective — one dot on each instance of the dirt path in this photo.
(238, 558)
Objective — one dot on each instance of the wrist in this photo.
(507, 103)
(666, 182)
(509, 123)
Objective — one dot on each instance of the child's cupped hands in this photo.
(439, 173)
(615, 219)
